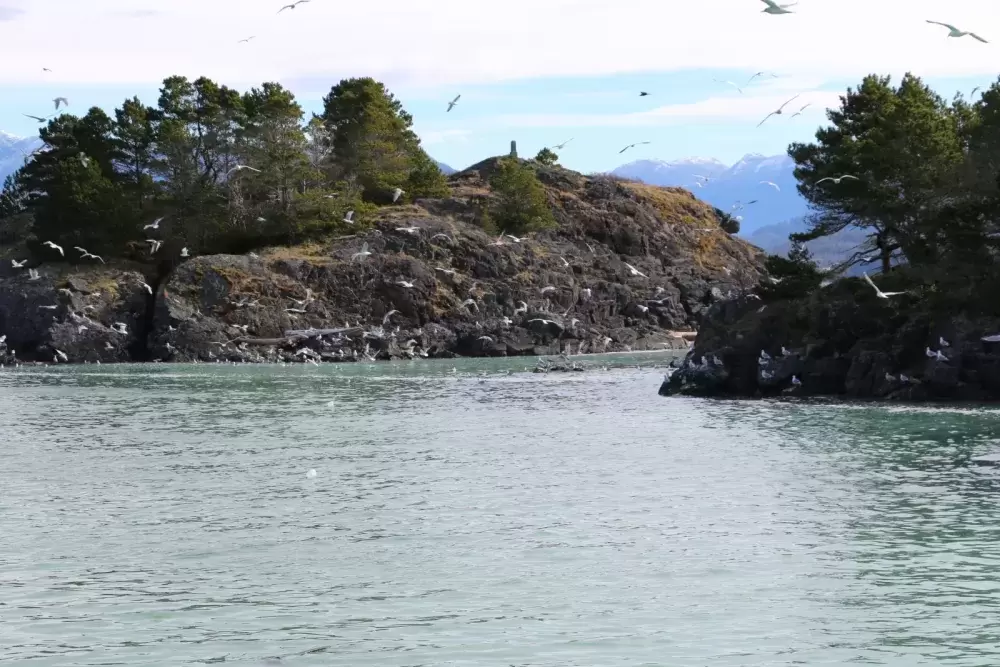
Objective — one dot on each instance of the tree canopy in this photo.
(227, 171)
(917, 173)
(520, 203)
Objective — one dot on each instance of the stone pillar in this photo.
(513, 148)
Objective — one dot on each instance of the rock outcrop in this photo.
(840, 341)
(626, 267)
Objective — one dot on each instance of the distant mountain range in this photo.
(11, 155)
(445, 168)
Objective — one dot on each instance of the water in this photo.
(155, 515)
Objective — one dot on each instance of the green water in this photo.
(462, 515)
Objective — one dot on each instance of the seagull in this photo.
(775, 8)
(184, 252)
(450, 272)
(776, 112)
(38, 118)
(772, 184)
(85, 255)
(942, 342)
(397, 193)
(973, 91)
(55, 247)
(243, 41)
(542, 320)
(49, 307)
(548, 288)
(730, 83)
(804, 107)
(153, 225)
(490, 339)
(385, 320)
(46, 69)
(471, 302)
(442, 236)
(154, 245)
(451, 105)
(60, 100)
(292, 6)
(837, 179)
(796, 382)
(995, 338)
(640, 143)
(561, 146)
(764, 356)
(62, 355)
(565, 263)
(311, 474)
(634, 271)
(404, 283)
(241, 167)
(18, 265)
(364, 252)
(762, 73)
(349, 217)
(522, 308)
(643, 93)
(935, 354)
(955, 32)
(642, 308)
(33, 274)
(148, 288)
(408, 230)
(120, 327)
(514, 238)
(879, 293)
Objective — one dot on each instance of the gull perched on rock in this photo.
(837, 179)
(935, 354)
(55, 247)
(471, 302)
(955, 32)
(184, 252)
(451, 105)
(405, 283)
(942, 342)
(776, 112)
(638, 143)
(879, 293)
(408, 230)
(775, 8)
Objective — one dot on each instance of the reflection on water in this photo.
(466, 515)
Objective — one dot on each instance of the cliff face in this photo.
(434, 284)
(841, 341)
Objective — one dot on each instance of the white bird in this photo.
(522, 308)
(542, 320)
(404, 283)
(408, 230)
(55, 247)
(799, 112)
(942, 342)
(730, 83)
(18, 265)
(91, 255)
(38, 118)
(3, 339)
(548, 288)
(778, 111)
(585, 292)
(451, 105)
(935, 354)
(442, 236)
(775, 8)
(995, 338)
(349, 217)
(642, 308)
(639, 143)
(385, 320)
(48, 307)
(244, 41)
(184, 252)
(561, 146)
(241, 167)
(772, 184)
(397, 193)
(292, 6)
(154, 245)
(837, 179)
(62, 355)
(364, 252)
(785, 352)
(120, 327)
(955, 32)
(311, 474)
(33, 274)
(717, 361)
(489, 338)
(765, 356)
(634, 271)
(450, 272)
(499, 241)
(565, 263)
(60, 100)
(514, 238)
(471, 302)
(153, 225)
(890, 378)
(879, 293)
(796, 382)
(147, 287)
(758, 74)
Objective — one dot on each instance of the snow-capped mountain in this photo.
(726, 185)
(12, 151)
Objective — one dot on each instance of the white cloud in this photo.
(433, 137)
(748, 107)
(445, 43)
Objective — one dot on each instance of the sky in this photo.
(539, 72)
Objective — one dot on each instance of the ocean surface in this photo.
(471, 513)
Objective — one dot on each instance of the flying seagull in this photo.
(55, 247)
(973, 91)
(148, 288)
(38, 118)
(60, 100)
(879, 293)
(804, 107)
(397, 193)
(643, 93)
(761, 73)
(837, 179)
(729, 83)
(46, 69)
(153, 225)
(561, 146)
(634, 271)
(241, 167)
(292, 6)
(640, 143)
(955, 32)
(775, 8)
(349, 217)
(364, 252)
(451, 105)
(243, 41)
(776, 112)
(772, 184)
(18, 265)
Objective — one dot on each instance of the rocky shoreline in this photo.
(626, 267)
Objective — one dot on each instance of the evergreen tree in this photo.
(520, 203)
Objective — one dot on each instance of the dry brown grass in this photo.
(614, 178)
(314, 252)
(675, 205)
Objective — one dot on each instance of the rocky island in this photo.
(921, 177)
(164, 235)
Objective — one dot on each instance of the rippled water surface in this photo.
(464, 515)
